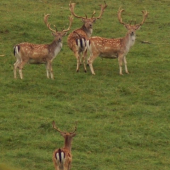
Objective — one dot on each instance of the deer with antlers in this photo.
(39, 53)
(77, 39)
(114, 48)
(62, 157)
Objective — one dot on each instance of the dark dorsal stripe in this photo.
(59, 152)
(81, 43)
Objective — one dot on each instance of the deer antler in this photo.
(72, 6)
(47, 24)
(54, 126)
(75, 128)
(145, 15)
(103, 7)
(93, 14)
(71, 21)
(119, 16)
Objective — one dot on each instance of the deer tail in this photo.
(60, 155)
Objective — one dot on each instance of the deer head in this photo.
(88, 22)
(58, 35)
(132, 28)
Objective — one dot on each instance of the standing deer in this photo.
(77, 39)
(39, 53)
(62, 157)
(114, 48)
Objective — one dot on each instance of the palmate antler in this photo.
(103, 7)
(145, 15)
(49, 27)
(119, 16)
(47, 24)
(71, 21)
(54, 126)
(72, 6)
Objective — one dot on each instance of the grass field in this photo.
(123, 121)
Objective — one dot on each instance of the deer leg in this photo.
(15, 68)
(57, 167)
(51, 70)
(47, 69)
(125, 62)
(120, 60)
(84, 60)
(67, 164)
(90, 62)
(78, 60)
(20, 66)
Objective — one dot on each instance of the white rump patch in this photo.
(16, 49)
(83, 43)
(58, 156)
(88, 46)
(62, 156)
(78, 42)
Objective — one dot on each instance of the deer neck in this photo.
(56, 44)
(55, 47)
(67, 144)
(87, 31)
(128, 41)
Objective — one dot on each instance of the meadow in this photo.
(122, 121)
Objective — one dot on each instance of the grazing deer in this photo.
(77, 39)
(114, 48)
(62, 157)
(39, 53)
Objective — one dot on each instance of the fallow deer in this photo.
(77, 39)
(62, 157)
(114, 48)
(39, 53)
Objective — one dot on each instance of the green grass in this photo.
(123, 121)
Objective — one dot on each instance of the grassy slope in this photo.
(123, 121)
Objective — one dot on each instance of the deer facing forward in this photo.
(77, 39)
(114, 48)
(39, 53)
(62, 157)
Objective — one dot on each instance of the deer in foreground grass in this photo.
(39, 53)
(62, 157)
(114, 48)
(77, 39)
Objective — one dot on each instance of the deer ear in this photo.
(83, 20)
(126, 26)
(137, 27)
(74, 134)
(94, 20)
(64, 33)
(53, 34)
(63, 134)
